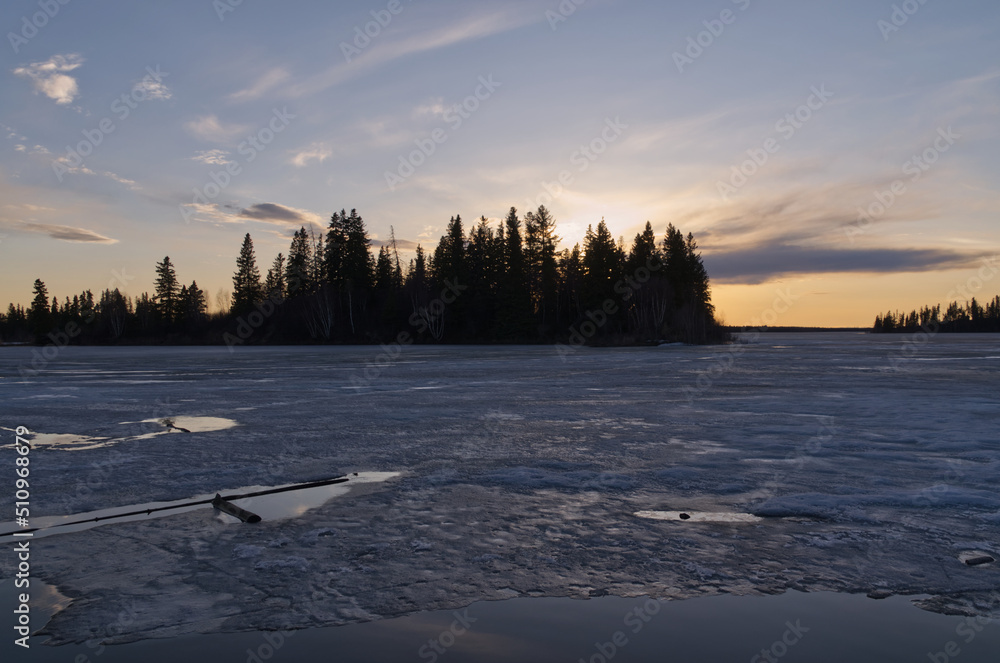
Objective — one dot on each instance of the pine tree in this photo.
(247, 288)
(166, 291)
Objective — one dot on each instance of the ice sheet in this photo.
(521, 476)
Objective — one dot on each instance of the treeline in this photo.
(971, 317)
(489, 284)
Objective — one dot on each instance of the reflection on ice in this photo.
(295, 503)
(45, 601)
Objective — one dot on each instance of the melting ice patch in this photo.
(77, 442)
(191, 424)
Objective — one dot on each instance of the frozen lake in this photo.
(842, 463)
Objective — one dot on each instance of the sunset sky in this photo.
(114, 114)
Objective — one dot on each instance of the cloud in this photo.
(264, 84)
(63, 233)
(766, 262)
(213, 213)
(434, 108)
(315, 152)
(50, 78)
(209, 128)
(84, 170)
(466, 29)
(152, 89)
(270, 213)
(212, 157)
(280, 214)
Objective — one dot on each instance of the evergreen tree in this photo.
(114, 313)
(297, 269)
(336, 246)
(543, 266)
(88, 307)
(39, 315)
(677, 265)
(274, 285)
(194, 304)
(358, 266)
(166, 291)
(145, 311)
(700, 290)
(385, 280)
(397, 273)
(247, 288)
(602, 266)
(515, 316)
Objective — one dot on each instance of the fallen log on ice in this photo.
(233, 510)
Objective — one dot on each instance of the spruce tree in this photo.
(336, 245)
(39, 316)
(602, 265)
(514, 317)
(247, 288)
(297, 269)
(166, 291)
(274, 285)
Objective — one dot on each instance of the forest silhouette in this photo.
(971, 317)
(495, 283)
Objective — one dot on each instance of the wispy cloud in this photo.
(63, 233)
(269, 213)
(315, 152)
(766, 262)
(84, 170)
(280, 214)
(271, 79)
(387, 50)
(210, 128)
(50, 77)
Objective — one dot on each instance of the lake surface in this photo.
(523, 479)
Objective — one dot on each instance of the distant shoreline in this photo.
(790, 330)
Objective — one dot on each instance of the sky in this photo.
(833, 159)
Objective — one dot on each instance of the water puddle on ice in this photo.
(279, 506)
(44, 602)
(818, 627)
(699, 516)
